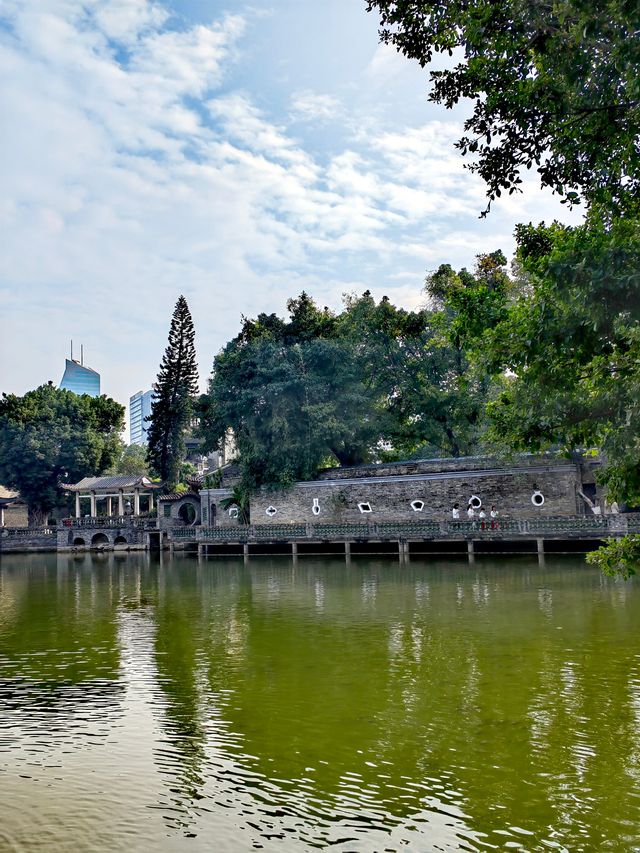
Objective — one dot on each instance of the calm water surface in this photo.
(218, 706)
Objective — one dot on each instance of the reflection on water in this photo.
(204, 705)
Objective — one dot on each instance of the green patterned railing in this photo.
(279, 531)
(598, 527)
(234, 533)
(341, 531)
(183, 532)
(407, 528)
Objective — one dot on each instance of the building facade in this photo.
(528, 487)
(139, 411)
(80, 379)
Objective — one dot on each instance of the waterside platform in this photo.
(553, 535)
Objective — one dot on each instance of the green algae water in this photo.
(177, 704)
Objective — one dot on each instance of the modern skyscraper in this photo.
(80, 379)
(139, 410)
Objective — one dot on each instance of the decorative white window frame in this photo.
(417, 505)
(315, 509)
(271, 511)
(537, 498)
(234, 512)
(475, 501)
(364, 507)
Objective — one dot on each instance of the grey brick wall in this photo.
(390, 494)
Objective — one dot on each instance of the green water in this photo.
(219, 706)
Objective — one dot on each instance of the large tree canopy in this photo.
(173, 398)
(50, 436)
(555, 85)
(320, 389)
(572, 343)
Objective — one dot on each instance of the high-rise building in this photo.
(79, 378)
(139, 410)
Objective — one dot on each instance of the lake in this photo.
(170, 703)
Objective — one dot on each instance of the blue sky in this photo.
(237, 153)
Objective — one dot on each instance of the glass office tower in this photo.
(139, 410)
(80, 379)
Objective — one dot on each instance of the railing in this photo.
(598, 527)
(109, 521)
(34, 532)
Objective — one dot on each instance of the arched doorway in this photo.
(79, 542)
(100, 539)
(120, 540)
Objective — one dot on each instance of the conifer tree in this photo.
(174, 393)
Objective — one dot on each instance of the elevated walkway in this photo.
(527, 535)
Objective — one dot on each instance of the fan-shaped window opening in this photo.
(417, 506)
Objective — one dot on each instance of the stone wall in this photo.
(391, 493)
(212, 511)
(16, 515)
(27, 540)
(169, 510)
(125, 538)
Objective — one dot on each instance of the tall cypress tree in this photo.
(174, 393)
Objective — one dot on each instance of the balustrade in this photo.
(596, 526)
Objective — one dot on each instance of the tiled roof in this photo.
(129, 481)
(177, 496)
(8, 493)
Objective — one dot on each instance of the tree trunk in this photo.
(38, 516)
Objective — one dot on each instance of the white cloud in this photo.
(130, 176)
(316, 107)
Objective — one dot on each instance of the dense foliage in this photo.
(172, 406)
(50, 436)
(572, 341)
(371, 382)
(132, 459)
(555, 86)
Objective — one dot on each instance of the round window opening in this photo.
(187, 513)
(475, 501)
(417, 506)
(537, 498)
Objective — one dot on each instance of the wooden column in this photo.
(120, 503)
(93, 509)
(136, 502)
(77, 504)
(109, 507)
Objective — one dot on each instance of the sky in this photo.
(237, 153)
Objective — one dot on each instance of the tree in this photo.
(173, 400)
(370, 383)
(572, 347)
(554, 85)
(132, 459)
(50, 436)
